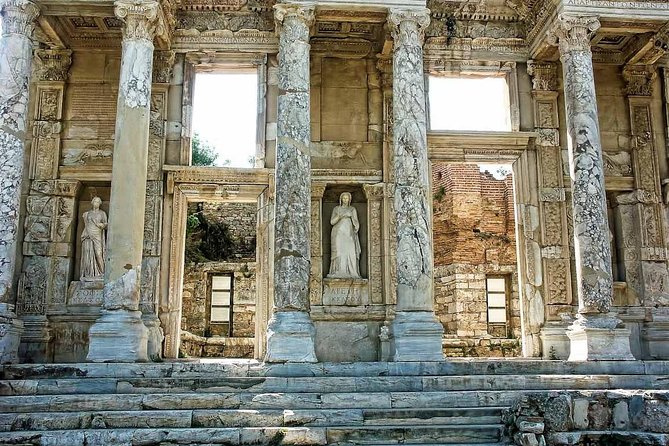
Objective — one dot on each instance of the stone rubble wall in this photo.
(607, 418)
(474, 235)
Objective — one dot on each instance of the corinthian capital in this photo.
(639, 79)
(417, 19)
(140, 18)
(572, 33)
(305, 13)
(18, 16)
(544, 75)
(52, 65)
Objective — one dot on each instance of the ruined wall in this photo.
(203, 339)
(474, 236)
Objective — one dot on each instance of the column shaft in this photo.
(290, 332)
(119, 334)
(416, 332)
(595, 334)
(15, 64)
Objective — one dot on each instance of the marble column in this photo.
(416, 332)
(18, 21)
(290, 331)
(597, 334)
(119, 334)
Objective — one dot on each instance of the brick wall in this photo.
(474, 236)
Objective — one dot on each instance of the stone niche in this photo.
(345, 329)
(69, 326)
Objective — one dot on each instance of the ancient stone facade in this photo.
(342, 107)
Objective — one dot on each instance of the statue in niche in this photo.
(93, 242)
(345, 254)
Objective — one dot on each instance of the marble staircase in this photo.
(249, 403)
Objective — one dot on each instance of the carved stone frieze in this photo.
(233, 22)
(163, 65)
(639, 80)
(544, 75)
(53, 65)
(617, 164)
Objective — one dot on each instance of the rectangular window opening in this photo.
(225, 115)
(472, 103)
(221, 300)
(497, 300)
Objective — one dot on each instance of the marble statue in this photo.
(93, 242)
(345, 262)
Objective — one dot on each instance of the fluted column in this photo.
(119, 334)
(18, 18)
(596, 333)
(416, 332)
(290, 332)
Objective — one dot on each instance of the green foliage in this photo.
(207, 241)
(440, 194)
(204, 154)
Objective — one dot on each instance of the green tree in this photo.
(204, 153)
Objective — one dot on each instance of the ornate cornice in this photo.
(544, 75)
(421, 17)
(639, 79)
(304, 13)
(140, 18)
(52, 65)
(18, 17)
(572, 33)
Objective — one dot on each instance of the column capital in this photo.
(53, 65)
(572, 33)
(374, 192)
(18, 17)
(397, 16)
(639, 79)
(544, 75)
(305, 13)
(140, 18)
(317, 190)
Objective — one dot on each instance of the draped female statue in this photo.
(93, 242)
(345, 252)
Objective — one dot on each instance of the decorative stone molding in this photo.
(18, 17)
(572, 33)
(304, 13)
(544, 75)
(163, 65)
(53, 65)
(639, 80)
(140, 17)
(419, 18)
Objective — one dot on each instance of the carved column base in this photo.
(416, 336)
(35, 340)
(118, 336)
(154, 346)
(10, 334)
(554, 342)
(290, 338)
(599, 338)
(655, 336)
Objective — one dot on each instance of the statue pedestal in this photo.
(345, 292)
(85, 293)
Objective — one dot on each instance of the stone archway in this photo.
(195, 184)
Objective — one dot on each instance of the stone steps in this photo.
(377, 435)
(183, 403)
(456, 367)
(329, 384)
(38, 421)
(193, 401)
